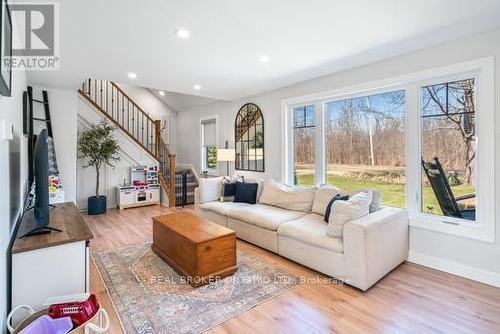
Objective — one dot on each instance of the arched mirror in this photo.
(249, 139)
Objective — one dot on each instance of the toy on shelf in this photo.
(152, 175)
(56, 192)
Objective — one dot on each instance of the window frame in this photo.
(317, 136)
(203, 161)
(481, 228)
(482, 70)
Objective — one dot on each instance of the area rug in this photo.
(150, 297)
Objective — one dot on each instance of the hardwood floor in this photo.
(410, 299)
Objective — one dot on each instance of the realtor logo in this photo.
(37, 28)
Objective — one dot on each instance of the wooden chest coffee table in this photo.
(194, 247)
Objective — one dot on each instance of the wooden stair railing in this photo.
(124, 112)
(167, 170)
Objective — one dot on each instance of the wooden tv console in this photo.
(52, 264)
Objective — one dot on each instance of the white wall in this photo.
(445, 251)
(62, 104)
(155, 107)
(13, 177)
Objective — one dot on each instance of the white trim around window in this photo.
(212, 172)
(482, 70)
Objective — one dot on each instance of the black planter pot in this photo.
(96, 205)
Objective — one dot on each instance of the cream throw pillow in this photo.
(345, 211)
(376, 202)
(287, 197)
(324, 194)
(210, 189)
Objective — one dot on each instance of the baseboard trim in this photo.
(475, 274)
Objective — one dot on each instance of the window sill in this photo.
(453, 226)
(210, 172)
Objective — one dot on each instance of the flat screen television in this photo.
(41, 169)
(41, 179)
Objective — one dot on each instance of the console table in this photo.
(52, 264)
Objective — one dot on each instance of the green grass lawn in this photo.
(393, 194)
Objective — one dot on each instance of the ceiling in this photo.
(180, 101)
(303, 39)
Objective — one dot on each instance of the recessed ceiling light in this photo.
(264, 59)
(182, 33)
(132, 75)
(161, 92)
(197, 87)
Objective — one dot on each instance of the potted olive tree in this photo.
(100, 148)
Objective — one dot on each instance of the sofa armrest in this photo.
(375, 244)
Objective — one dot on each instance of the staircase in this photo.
(126, 115)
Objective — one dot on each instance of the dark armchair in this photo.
(442, 190)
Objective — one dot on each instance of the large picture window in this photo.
(365, 145)
(425, 140)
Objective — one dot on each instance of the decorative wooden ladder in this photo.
(120, 109)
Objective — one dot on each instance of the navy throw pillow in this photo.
(228, 191)
(337, 197)
(246, 193)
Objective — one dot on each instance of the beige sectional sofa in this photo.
(371, 246)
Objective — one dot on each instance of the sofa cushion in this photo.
(324, 194)
(288, 197)
(311, 229)
(210, 189)
(356, 207)
(221, 208)
(265, 216)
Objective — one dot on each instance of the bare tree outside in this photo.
(448, 133)
(448, 112)
(365, 144)
(366, 131)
